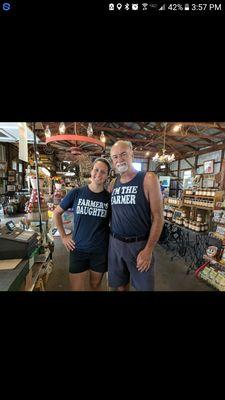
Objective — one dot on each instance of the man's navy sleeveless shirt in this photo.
(91, 218)
(130, 208)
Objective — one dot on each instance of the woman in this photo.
(88, 245)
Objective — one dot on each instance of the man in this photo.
(136, 225)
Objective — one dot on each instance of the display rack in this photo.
(212, 272)
(202, 204)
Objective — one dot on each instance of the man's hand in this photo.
(144, 259)
(68, 243)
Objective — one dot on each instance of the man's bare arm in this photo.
(153, 194)
(152, 188)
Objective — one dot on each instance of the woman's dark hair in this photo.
(106, 162)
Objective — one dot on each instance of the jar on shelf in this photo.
(169, 214)
(199, 218)
(198, 227)
(208, 192)
(213, 192)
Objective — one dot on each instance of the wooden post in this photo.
(222, 180)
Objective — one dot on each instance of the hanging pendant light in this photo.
(164, 158)
(102, 137)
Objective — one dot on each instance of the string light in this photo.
(47, 131)
(89, 130)
(102, 137)
(177, 127)
(62, 128)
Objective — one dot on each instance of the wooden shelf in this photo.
(198, 196)
(37, 267)
(41, 258)
(34, 274)
(202, 208)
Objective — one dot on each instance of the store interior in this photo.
(41, 162)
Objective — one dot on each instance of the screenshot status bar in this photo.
(113, 8)
(168, 8)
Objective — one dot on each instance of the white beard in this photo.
(122, 168)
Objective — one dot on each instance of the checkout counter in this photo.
(17, 262)
(12, 279)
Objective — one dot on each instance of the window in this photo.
(187, 179)
(14, 165)
(137, 166)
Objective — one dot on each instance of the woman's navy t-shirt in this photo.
(91, 218)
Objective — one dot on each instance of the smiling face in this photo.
(99, 173)
(122, 157)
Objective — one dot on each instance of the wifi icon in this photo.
(144, 5)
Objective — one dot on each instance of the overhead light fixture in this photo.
(62, 128)
(79, 146)
(47, 131)
(164, 158)
(89, 130)
(177, 127)
(147, 153)
(162, 166)
(102, 137)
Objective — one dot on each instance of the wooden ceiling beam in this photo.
(208, 150)
(157, 133)
(213, 125)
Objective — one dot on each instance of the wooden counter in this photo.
(12, 279)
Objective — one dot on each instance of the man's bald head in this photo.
(123, 143)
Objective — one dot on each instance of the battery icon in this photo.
(186, 7)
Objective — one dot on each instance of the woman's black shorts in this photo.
(81, 261)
